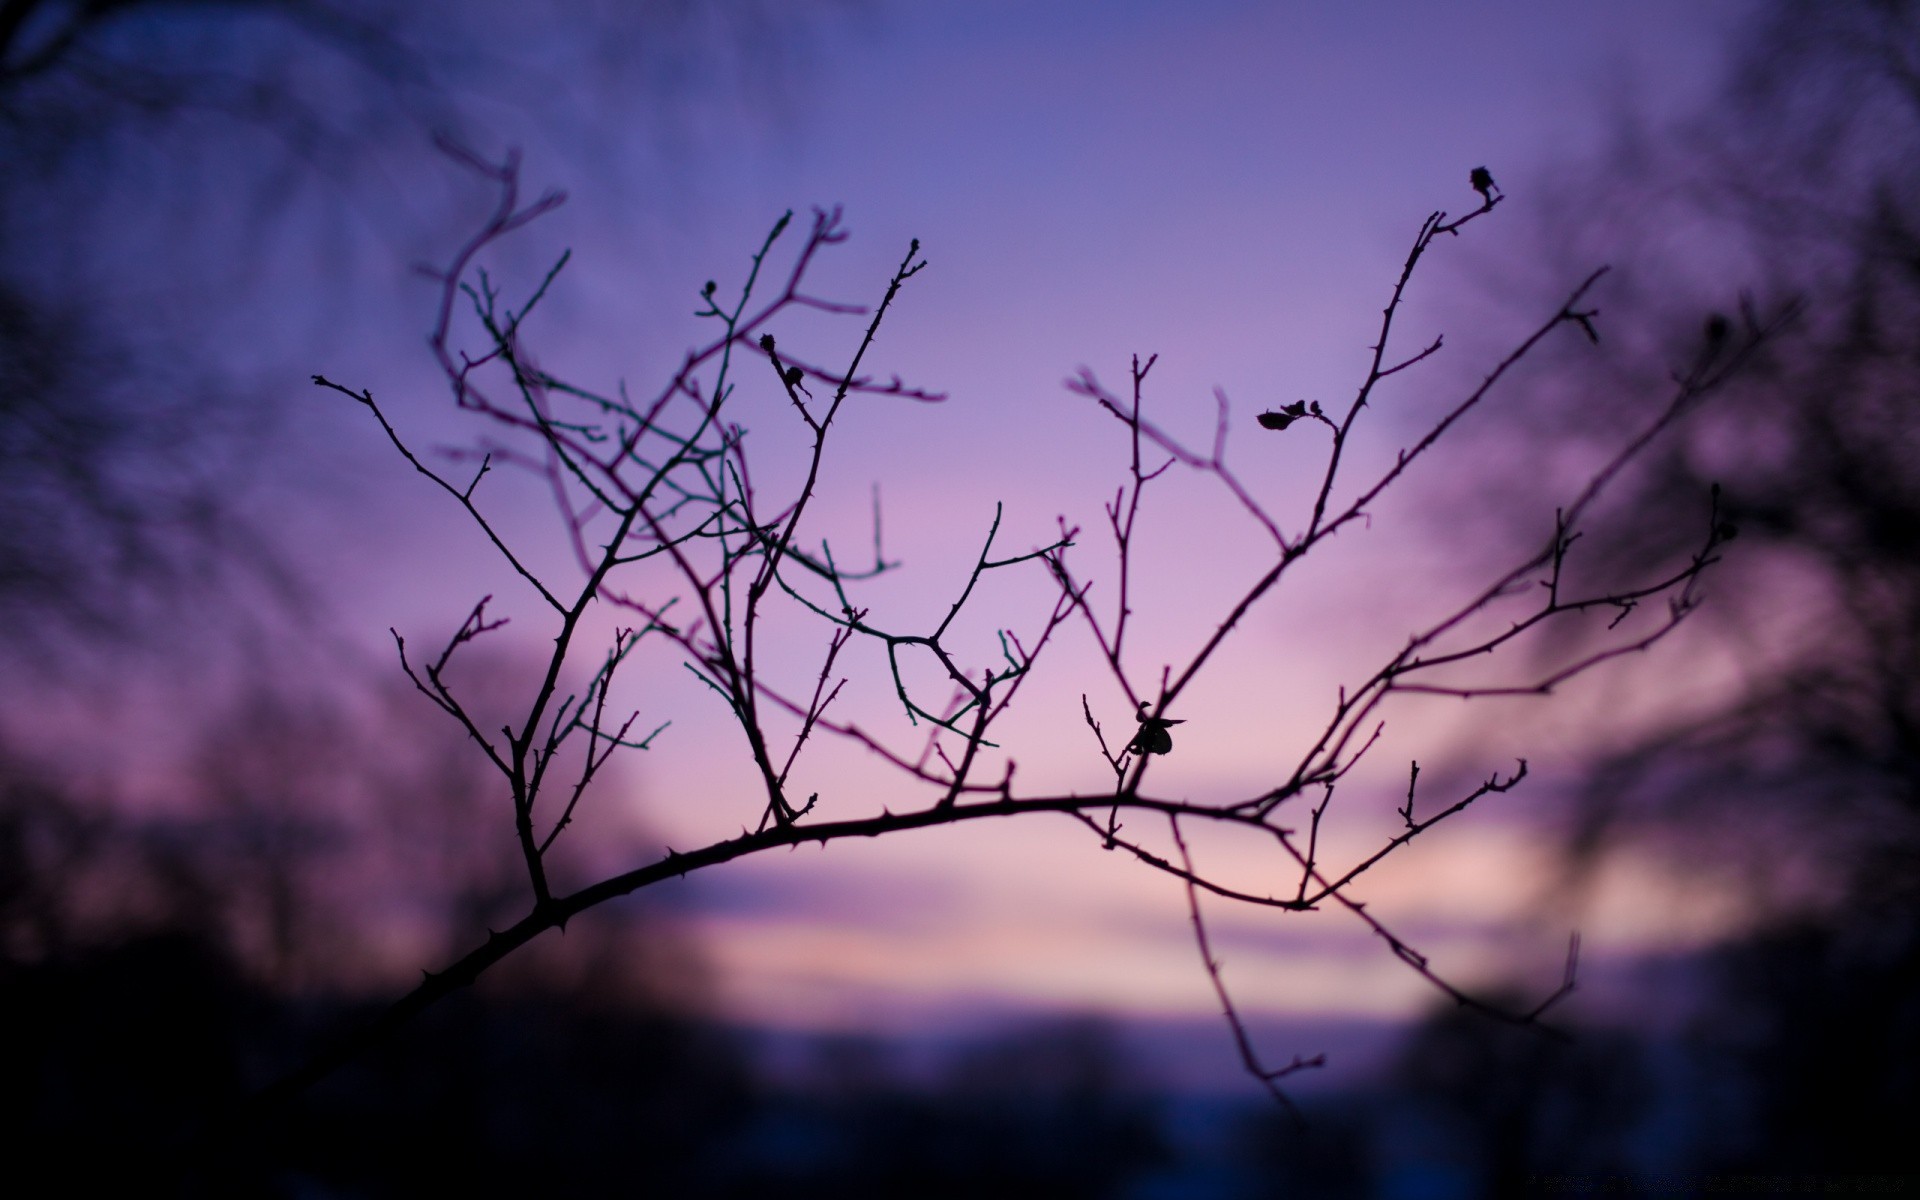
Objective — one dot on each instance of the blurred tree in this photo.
(1467, 1101)
(118, 456)
(159, 151)
(1798, 782)
(1055, 1108)
(1805, 172)
(313, 853)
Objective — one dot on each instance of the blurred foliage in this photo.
(1052, 1109)
(124, 462)
(168, 955)
(159, 153)
(1798, 784)
(1803, 176)
(1809, 773)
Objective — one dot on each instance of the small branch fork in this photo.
(657, 499)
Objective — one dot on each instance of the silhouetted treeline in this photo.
(134, 1046)
(130, 1067)
(148, 997)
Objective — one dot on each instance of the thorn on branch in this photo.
(1626, 608)
(486, 463)
(1584, 319)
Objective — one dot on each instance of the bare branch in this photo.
(665, 515)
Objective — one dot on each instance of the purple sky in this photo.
(1229, 185)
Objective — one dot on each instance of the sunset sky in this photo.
(1231, 186)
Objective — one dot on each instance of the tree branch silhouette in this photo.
(667, 525)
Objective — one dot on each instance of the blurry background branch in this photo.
(129, 460)
(1791, 780)
(1806, 770)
